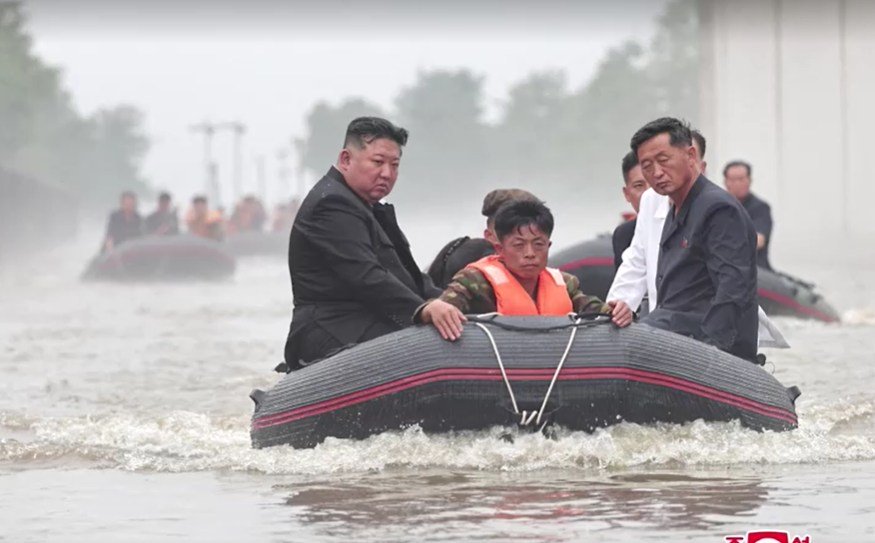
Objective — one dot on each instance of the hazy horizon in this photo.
(267, 63)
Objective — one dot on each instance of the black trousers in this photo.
(318, 344)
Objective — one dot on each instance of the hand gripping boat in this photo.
(530, 371)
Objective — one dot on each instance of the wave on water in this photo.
(863, 316)
(184, 441)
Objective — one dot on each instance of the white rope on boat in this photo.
(527, 418)
(558, 369)
(486, 331)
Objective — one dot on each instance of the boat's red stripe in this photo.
(796, 306)
(493, 374)
(590, 262)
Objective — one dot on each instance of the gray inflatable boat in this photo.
(529, 371)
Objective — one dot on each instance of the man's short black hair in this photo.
(678, 131)
(128, 194)
(737, 163)
(364, 130)
(517, 214)
(629, 162)
(700, 141)
(164, 197)
(199, 199)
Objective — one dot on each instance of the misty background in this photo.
(97, 97)
(102, 97)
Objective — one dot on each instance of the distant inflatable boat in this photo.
(258, 244)
(779, 294)
(151, 258)
(528, 371)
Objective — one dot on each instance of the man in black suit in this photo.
(736, 177)
(353, 275)
(706, 274)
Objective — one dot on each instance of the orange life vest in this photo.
(512, 298)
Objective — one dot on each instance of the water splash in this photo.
(859, 317)
(185, 441)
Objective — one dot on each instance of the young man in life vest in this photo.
(516, 279)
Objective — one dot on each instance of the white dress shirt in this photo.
(637, 274)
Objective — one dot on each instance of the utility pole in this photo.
(211, 182)
(237, 129)
(283, 172)
(261, 178)
(301, 188)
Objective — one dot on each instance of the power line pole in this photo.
(211, 182)
(261, 178)
(238, 129)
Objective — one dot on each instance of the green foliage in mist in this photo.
(43, 137)
(555, 140)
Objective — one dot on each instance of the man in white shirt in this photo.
(636, 276)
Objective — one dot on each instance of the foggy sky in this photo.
(266, 63)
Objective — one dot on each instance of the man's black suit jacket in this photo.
(351, 268)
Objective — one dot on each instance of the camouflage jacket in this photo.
(472, 293)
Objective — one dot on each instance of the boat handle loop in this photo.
(527, 418)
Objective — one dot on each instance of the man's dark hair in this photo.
(700, 141)
(164, 197)
(678, 131)
(128, 194)
(517, 214)
(199, 200)
(629, 162)
(364, 130)
(734, 163)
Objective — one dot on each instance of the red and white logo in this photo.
(767, 536)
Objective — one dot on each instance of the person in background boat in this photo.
(634, 186)
(124, 223)
(248, 216)
(516, 279)
(353, 275)
(163, 221)
(737, 178)
(706, 271)
(284, 216)
(203, 222)
(462, 251)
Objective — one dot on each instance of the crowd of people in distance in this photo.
(249, 215)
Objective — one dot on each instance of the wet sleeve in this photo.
(580, 302)
(762, 220)
(630, 281)
(470, 292)
(731, 263)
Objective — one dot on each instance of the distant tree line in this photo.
(44, 138)
(548, 136)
